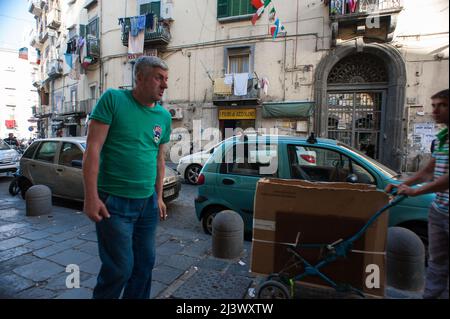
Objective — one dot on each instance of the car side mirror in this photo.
(77, 163)
(352, 178)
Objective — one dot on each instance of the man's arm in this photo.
(161, 171)
(423, 175)
(438, 185)
(93, 206)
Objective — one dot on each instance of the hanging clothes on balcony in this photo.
(68, 59)
(240, 84)
(228, 79)
(136, 44)
(137, 25)
(150, 21)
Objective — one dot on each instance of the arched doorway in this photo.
(359, 94)
(357, 87)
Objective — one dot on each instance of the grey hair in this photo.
(145, 62)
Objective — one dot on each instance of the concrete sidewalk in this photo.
(34, 253)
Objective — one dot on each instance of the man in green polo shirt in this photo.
(123, 169)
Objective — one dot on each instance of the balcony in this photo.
(43, 36)
(41, 111)
(83, 107)
(54, 19)
(35, 42)
(339, 10)
(54, 69)
(375, 20)
(224, 94)
(35, 7)
(160, 35)
(36, 80)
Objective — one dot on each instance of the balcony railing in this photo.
(35, 7)
(340, 8)
(54, 68)
(83, 107)
(158, 35)
(41, 110)
(54, 19)
(223, 94)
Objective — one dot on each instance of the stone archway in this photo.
(391, 139)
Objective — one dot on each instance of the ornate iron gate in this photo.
(355, 119)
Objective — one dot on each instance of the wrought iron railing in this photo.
(344, 7)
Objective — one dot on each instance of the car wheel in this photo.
(208, 218)
(192, 173)
(273, 289)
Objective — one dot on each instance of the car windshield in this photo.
(384, 169)
(4, 146)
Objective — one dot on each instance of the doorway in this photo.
(355, 118)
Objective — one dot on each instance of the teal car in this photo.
(228, 179)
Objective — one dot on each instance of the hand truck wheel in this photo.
(273, 289)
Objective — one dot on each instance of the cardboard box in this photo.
(322, 213)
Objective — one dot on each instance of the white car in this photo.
(9, 158)
(189, 166)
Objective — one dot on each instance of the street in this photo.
(35, 251)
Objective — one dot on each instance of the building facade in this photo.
(361, 74)
(18, 96)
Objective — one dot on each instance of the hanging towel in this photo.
(68, 58)
(136, 44)
(141, 22)
(134, 26)
(228, 79)
(240, 84)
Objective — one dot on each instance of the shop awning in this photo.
(287, 109)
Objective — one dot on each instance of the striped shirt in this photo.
(441, 168)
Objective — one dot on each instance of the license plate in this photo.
(168, 192)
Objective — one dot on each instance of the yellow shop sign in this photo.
(237, 114)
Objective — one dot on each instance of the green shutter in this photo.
(156, 8)
(145, 8)
(235, 7)
(83, 30)
(223, 8)
(250, 8)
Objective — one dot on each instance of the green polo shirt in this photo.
(128, 160)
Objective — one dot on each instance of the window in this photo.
(151, 7)
(47, 152)
(93, 91)
(232, 8)
(70, 152)
(92, 28)
(239, 60)
(249, 159)
(324, 165)
(30, 150)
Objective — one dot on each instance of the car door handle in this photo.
(227, 181)
(59, 170)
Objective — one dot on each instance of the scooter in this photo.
(14, 186)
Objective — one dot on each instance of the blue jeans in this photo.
(126, 243)
(437, 273)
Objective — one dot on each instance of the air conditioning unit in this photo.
(167, 10)
(177, 113)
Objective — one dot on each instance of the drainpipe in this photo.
(100, 31)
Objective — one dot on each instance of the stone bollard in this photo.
(38, 200)
(227, 235)
(405, 264)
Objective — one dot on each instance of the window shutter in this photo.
(223, 8)
(156, 8)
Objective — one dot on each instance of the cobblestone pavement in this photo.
(35, 251)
